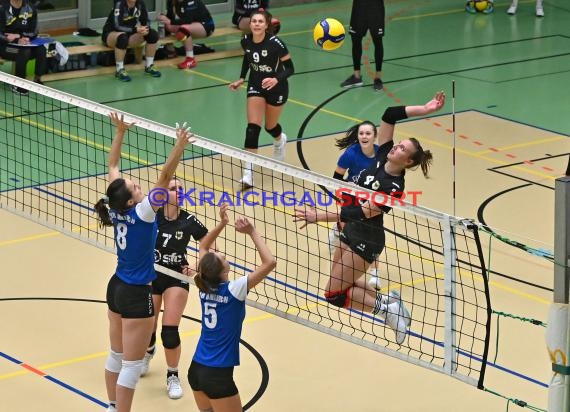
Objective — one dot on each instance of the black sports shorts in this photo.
(362, 241)
(163, 282)
(216, 383)
(130, 301)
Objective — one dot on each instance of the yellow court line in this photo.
(194, 332)
(28, 238)
(72, 137)
(297, 102)
(478, 156)
(43, 235)
(526, 144)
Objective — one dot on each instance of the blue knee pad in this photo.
(122, 41)
(170, 337)
(275, 132)
(252, 136)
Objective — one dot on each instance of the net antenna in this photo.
(53, 169)
(454, 142)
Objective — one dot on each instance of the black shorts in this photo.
(366, 244)
(130, 301)
(275, 97)
(163, 282)
(369, 17)
(216, 383)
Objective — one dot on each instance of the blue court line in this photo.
(364, 315)
(53, 380)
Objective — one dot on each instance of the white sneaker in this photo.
(247, 179)
(111, 408)
(146, 363)
(374, 281)
(280, 147)
(173, 387)
(512, 10)
(539, 11)
(397, 316)
(334, 238)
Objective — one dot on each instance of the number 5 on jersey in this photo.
(210, 315)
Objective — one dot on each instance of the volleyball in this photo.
(329, 34)
(478, 5)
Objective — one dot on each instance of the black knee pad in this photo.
(275, 132)
(152, 340)
(252, 136)
(151, 37)
(122, 41)
(170, 337)
(339, 299)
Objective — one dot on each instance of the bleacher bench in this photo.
(99, 47)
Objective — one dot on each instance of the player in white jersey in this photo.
(223, 310)
(129, 299)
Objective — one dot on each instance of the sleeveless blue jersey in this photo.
(222, 318)
(355, 161)
(135, 238)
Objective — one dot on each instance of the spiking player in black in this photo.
(362, 238)
(269, 63)
(175, 229)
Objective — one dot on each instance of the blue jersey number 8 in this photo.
(121, 236)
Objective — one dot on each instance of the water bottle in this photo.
(161, 30)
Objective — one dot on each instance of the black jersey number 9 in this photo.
(255, 56)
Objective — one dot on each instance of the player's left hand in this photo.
(269, 83)
(306, 215)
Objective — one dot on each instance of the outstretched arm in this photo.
(210, 238)
(183, 137)
(268, 261)
(114, 159)
(396, 113)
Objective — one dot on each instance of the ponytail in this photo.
(103, 212)
(117, 198)
(423, 158)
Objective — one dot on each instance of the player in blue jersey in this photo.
(129, 298)
(360, 153)
(362, 238)
(223, 310)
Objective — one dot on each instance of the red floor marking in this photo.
(32, 369)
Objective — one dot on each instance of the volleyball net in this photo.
(53, 169)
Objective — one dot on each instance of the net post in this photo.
(561, 278)
(449, 270)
